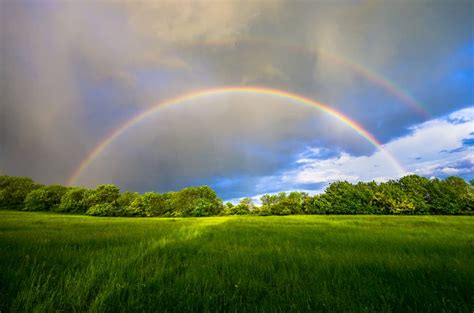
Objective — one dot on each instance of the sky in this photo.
(160, 95)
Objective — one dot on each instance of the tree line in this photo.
(411, 194)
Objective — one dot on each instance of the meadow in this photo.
(70, 263)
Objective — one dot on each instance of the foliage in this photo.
(417, 189)
(244, 207)
(102, 209)
(45, 198)
(73, 201)
(124, 207)
(13, 191)
(409, 195)
(279, 204)
(196, 201)
(451, 196)
(102, 194)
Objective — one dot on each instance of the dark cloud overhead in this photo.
(71, 72)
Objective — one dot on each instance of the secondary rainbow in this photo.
(226, 90)
(375, 78)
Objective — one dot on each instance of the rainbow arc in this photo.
(103, 144)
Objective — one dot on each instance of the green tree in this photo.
(450, 196)
(124, 204)
(294, 202)
(244, 207)
(102, 209)
(47, 198)
(416, 188)
(152, 204)
(341, 198)
(13, 191)
(263, 210)
(268, 202)
(317, 205)
(73, 201)
(102, 194)
(196, 201)
(390, 198)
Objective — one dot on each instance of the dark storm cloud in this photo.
(71, 72)
(202, 139)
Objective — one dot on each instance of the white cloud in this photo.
(431, 148)
(459, 166)
(324, 171)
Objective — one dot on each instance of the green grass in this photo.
(52, 262)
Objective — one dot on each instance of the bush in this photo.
(417, 190)
(45, 198)
(14, 190)
(391, 198)
(195, 201)
(73, 201)
(124, 204)
(263, 210)
(102, 194)
(411, 194)
(103, 209)
(451, 196)
(244, 207)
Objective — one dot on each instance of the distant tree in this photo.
(340, 198)
(319, 205)
(47, 198)
(279, 204)
(102, 209)
(196, 201)
(416, 188)
(244, 207)
(263, 210)
(269, 200)
(450, 196)
(227, 208)
(411, 194)
(294, 202)
(123, 204)
(102, 194)
(151, 204)
(73, 201)
(283, 204)
(13, 191)
(390, 198)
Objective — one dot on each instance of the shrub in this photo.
(102, 194)
(102, 209)
(73, 201)
(244, 207)
(124, 204)
(263, 210)
(14, 190)
(451, 196)
(195, 201)
(45, 198)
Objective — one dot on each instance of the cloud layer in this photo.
(71, 72)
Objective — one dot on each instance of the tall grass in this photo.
(51, 262)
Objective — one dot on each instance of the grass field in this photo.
(51, 262)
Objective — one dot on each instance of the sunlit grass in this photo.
(52, 262)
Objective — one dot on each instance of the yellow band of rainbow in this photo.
(97, 150)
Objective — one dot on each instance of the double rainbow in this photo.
(103, 144)
(367, 73)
